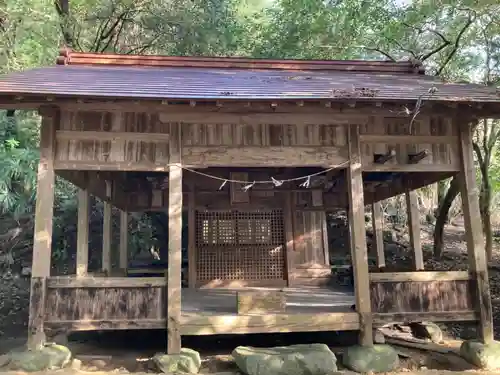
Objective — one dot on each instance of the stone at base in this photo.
(188, 361)
(47, 358)
(484, 356)
(311, 359)
(76, 364)
(376, 358)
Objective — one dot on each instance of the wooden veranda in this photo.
(201, 135)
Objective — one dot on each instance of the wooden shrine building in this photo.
(255, 153)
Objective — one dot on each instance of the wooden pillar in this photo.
(174, 277)
(123, 255)
(288, 223)
(474, 235)
(42, 245)
(378, 233)
(358, 238)
(82, 233)
(413, 214)
(192, 236)
(107, 231)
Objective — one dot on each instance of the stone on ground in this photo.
(307, 359)
(376, 358)
(484, 356)
(187, 361)
(48, 357)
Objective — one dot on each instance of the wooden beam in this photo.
(82, 234)
(104, 282)
(311, 118)
(123, 253)
(474, 233)
(290, 245)
(87, 135)
(408, 139)
(378, 233)
(419, 276)
(381, 319)
(192, 269)
(249, 156)
(198, 324)
(109, 166)
(42, 245)
(107, 231)
(174, 279)
(413, 215)
(255, 106)
(358, 237)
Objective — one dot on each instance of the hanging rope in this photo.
(249, 184)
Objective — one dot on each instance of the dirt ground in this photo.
(105, 353)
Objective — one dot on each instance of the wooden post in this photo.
(474, 234)
(174, 244)
(106, 232)
(123, 256)
(192, 236)
(82, 233)
(378, 232)
(288, 223)
(358, 238)
(413, 214)
(42, 245)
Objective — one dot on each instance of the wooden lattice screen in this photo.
(240, 245)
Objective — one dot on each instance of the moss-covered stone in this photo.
(312, 359)
(376, 358)
(484, 356)
(187, 361)
(48, 357)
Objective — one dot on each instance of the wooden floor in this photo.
(303, 300)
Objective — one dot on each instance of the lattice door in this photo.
(240, 245)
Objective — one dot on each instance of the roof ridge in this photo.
(69, 57)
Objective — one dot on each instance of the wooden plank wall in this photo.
(139, 141)
(113, 141)
(117, 301)
(260, 144)
(421, 293)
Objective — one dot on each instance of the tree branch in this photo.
(470, 20)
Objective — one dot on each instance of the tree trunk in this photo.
(442, 216)
(484, 208)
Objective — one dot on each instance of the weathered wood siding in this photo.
(310, 263)
(139, 141)
(121, 141)
(263, 144)
(95, 303)
(421, 296)
(309, 239)
(433, 134)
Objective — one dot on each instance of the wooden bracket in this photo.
(384, 158)
(415, 158)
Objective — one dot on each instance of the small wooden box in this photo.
(261, 302)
